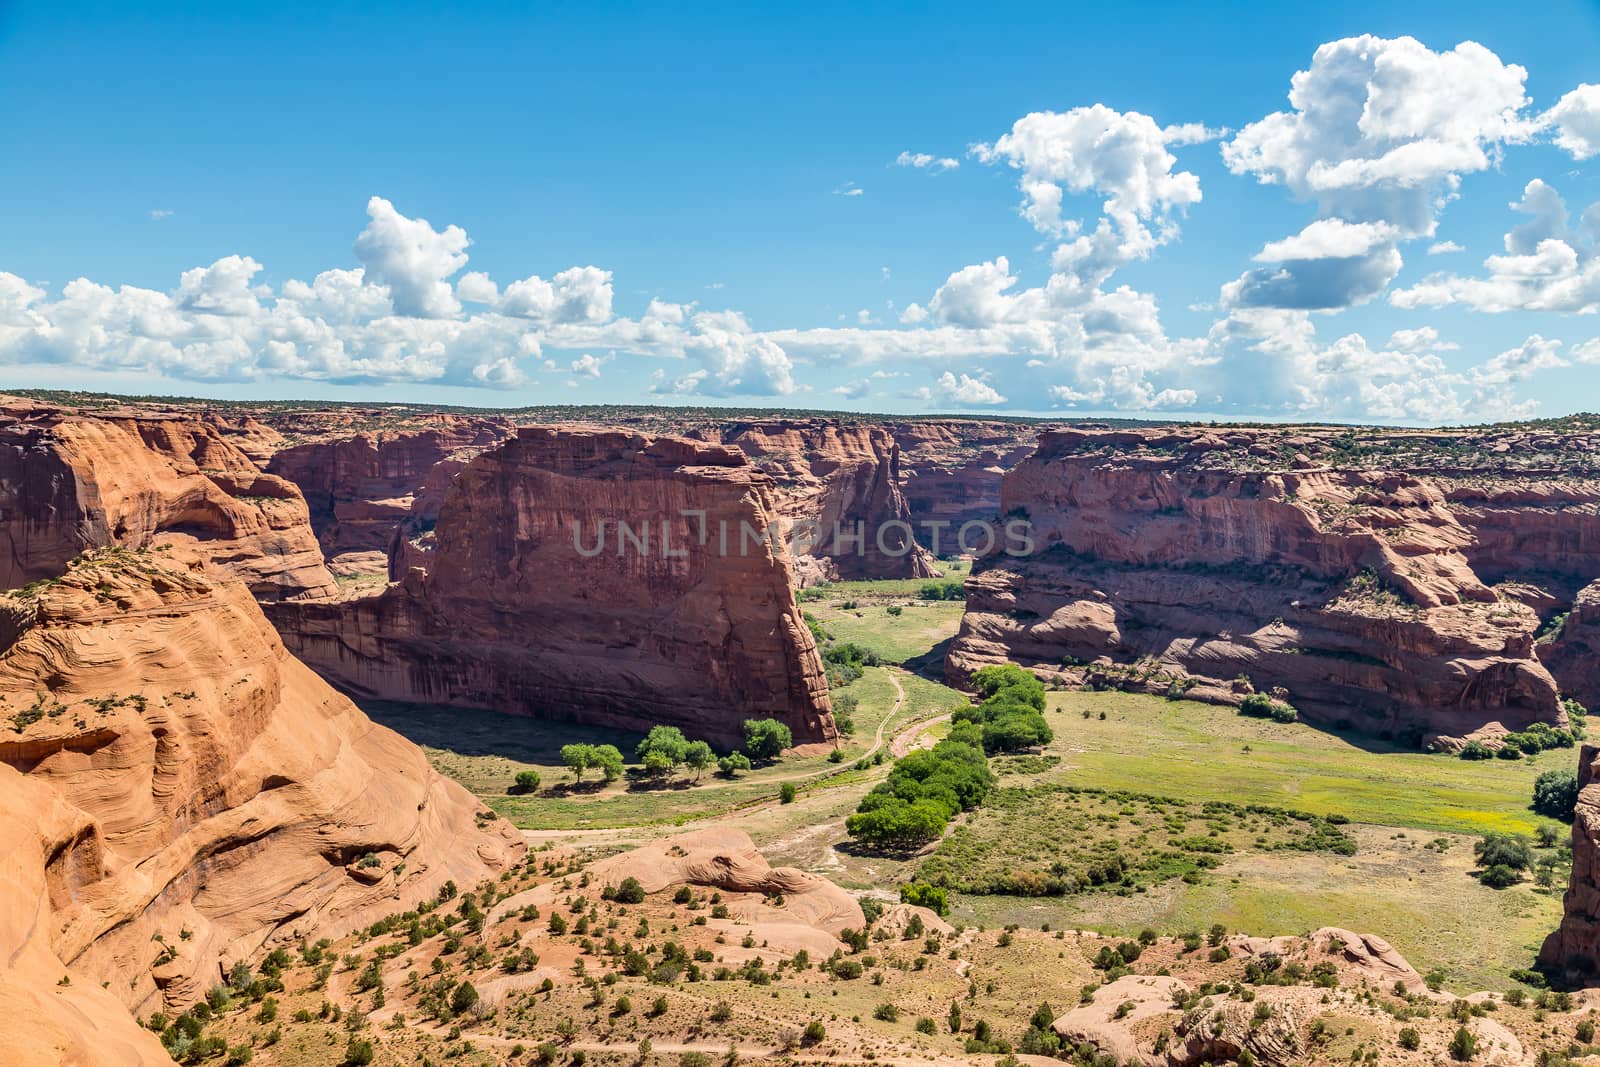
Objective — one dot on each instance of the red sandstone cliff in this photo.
(845, 478)
(181, 794)
(69, 482)
(953, 469)
(1575, 945)
(701, 633)
(379, 491)
(1351, 581)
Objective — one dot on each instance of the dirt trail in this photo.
(899, 745)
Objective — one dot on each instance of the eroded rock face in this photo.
(1572, 652)
(1575, 945)
(193, 796)
(380, 491)
(519, 614)
(1378, 587)
(845, 478)
(953, 470)
(70, 482)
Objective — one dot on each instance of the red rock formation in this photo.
(380, 491)
(1573, 652)
(1193, 556)
(1574, 947)
(514, 616)
(845, 478)
(193, 796)
(69, 482)
(953, 469)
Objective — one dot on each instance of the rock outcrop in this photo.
(1395, 585)
(590, 574)
(376, 495)
(1572, 650)
(1574, 948)
(845, 479)
(953, 469)
(180, 794)
(71, 482)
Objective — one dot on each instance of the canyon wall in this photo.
(1395, 584)
(184, 794)
(519, 613)
(845, 478)
(1573, 950)
(953, 470)
(70, 482)
(374, 497)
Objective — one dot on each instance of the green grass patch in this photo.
(1202, 752)
(1057, 840)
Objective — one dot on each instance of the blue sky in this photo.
(704, 205)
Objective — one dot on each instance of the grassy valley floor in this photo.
(1413, 816)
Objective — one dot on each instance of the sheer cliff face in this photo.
(953, 469)
(70, 482)
(380, 491)
(187, 795)
(1575, 945)
(1397, 586)
(846, 479)
(526, 608)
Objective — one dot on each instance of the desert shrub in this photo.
(629, 892)
(1499, 876)
(731, 765)
(526, 782)
(1503, 850)
(1261, 706)
(765, 739)
(924, 895)
(1555, 793)
(787, 792)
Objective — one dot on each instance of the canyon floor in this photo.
(1415, 816)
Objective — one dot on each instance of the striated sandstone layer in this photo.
(193, 796)
(953, 470)
(71, 482)
(1571, 650)
(520, 614)
(845, 478)
(1395, 584)
(380, 491)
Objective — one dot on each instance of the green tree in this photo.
(666, 741)
(765, 739)
(463, 998)
(1555, 793)
(731, 764)
(698, 756)
(1503, 850)
(1463, 1046)
(526, 782)
(578, 758)
(608, 759)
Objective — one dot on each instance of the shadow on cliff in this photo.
(473, 732)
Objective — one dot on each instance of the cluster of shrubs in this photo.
(1532, 741)
(665, 749)
(950, 589)
(923, 792)
(1011, 715)
(845, 662)
(1261, 706)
